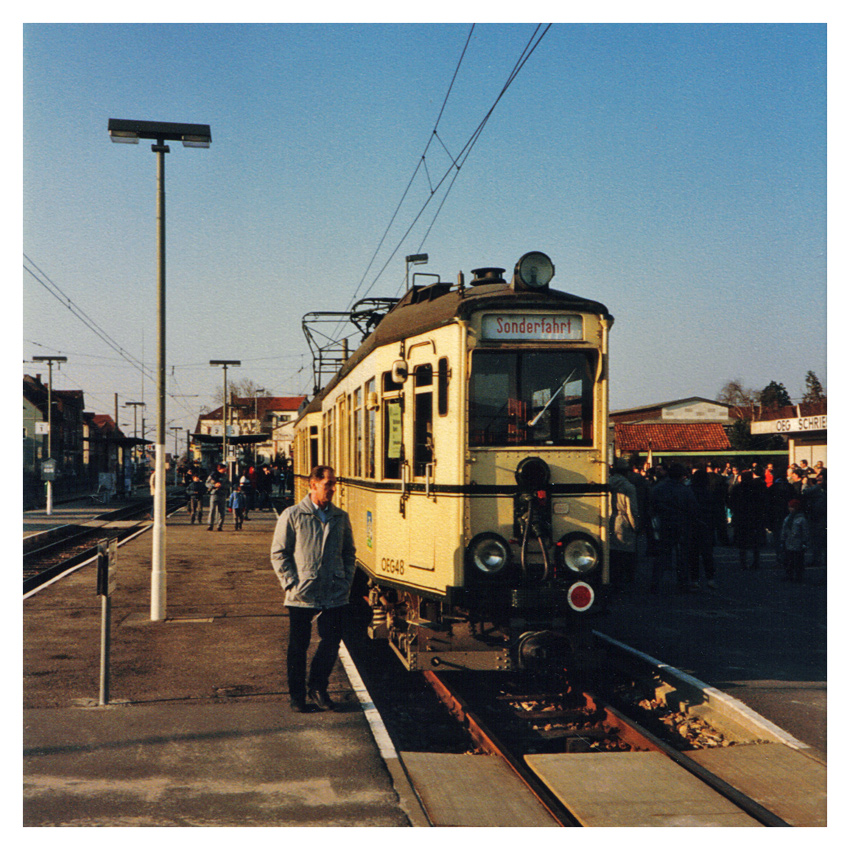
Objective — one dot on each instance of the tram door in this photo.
(421, 511)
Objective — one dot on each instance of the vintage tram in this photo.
(469, 434)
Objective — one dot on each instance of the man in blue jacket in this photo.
(313, 555)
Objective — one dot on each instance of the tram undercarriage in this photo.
(429, 634)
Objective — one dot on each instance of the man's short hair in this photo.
(319, 473)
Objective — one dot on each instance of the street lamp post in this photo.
(50, 360)
(197, 136)
(225, 364)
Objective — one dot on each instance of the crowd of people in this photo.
(250, 490)
(683, 513)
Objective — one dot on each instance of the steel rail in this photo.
(490, 744)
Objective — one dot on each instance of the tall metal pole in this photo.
(192, 135)
(177, 429)
(135, 453)
(225, 364)
(158, 566)
(49, 507)
(224, 427)
(49, 360)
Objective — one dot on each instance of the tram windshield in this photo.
(531, 398)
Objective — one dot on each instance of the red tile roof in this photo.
(674, 437)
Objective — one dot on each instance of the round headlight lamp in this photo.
(579, 554)
(534, 270)
(489, 554)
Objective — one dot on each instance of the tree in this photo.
(735, 395)
(814, 390)
(243, 388)
(774, 395)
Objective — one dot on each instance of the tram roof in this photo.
(426, 308)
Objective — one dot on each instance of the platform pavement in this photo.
(198, 731)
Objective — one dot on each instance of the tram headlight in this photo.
(489, 554)
(533, 271)
(579, 553)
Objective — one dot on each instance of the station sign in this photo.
(551, 328)
(49, 470)
(107, 566)
(789, 426)
(42, 428)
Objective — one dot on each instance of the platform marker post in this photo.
(107, 560)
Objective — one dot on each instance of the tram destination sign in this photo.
(555, 327)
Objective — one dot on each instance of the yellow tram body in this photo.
(469, 437)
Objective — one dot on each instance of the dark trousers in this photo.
(330, 623)
(794, 565)
(196, 506)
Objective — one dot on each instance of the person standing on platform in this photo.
(624, 521)
(795, 541)
(217, 485)
(312, 554)
(748, 501)
(236, 503)
(195, 491)
(673, 510)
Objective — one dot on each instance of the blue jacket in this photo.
(314, 560)
(237, 500)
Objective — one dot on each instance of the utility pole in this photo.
(225, 364)
(50, 360)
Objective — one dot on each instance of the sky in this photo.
(675, 172)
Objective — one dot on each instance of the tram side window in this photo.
(443, 386)
(393, 448)
(370, 430)
(357, 442)
(314, 446)
(423, 422)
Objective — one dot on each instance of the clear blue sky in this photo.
(677, 173)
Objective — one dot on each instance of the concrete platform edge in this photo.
(408, 799)
(717, 700)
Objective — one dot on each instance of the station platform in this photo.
(197, 730)
(754, 636)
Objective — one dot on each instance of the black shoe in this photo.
(299, 705)
(321, 699)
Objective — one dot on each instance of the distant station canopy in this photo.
(242, 440)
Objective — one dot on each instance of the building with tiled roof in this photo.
(670, 437)
(687, 429)
(260, 426)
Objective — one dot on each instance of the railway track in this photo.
(524, 728)
(70, 546)
(483, 749)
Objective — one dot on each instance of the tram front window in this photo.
(531, 398)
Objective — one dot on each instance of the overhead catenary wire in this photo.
(90, 323)
(419, 164)
(457, 162)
